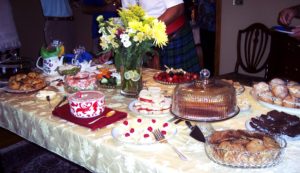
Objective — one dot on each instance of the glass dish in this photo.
(204, 100)
(234, 157)
(82, 81)
(165, 81)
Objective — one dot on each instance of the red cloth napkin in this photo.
(64, 112)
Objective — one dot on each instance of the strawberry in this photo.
(125, 123)
(150, 129)
(131, 130)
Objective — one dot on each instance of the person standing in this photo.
(59, 23)
(180, 51)
(106, 8)
(8, 32)
(206, 19)
(286, 16)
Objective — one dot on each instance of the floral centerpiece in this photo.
(129, 38)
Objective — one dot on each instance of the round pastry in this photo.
(33, 74)
(276, 81)
(292, 83)
(289, 102)
(20, 76)
(277, 101)
(261, 87)
(266, 97)
(294, 90)
(14, 85)
(280, 91)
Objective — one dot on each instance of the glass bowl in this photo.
(255, 153)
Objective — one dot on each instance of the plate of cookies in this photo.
(244, 149)
(278, 94)
(25, 83)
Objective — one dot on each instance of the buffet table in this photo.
(98, 151)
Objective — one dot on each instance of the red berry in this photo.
(195, 76)
(146, 135)
(169, 79)
(153, 121)
(131, 130)
(150, 129)
(125, 123)
(127, 134)
(163, 132)
(139, 120)
(165, 125)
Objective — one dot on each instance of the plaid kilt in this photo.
(180, 51)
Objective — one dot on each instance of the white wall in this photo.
(239, 17)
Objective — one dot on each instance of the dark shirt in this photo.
(207, 14)
(106, 15)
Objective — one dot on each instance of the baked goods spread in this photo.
(26, 82)
(152, 101)
(244, 149)
(277, 123)
(278, 92)
(207, 100)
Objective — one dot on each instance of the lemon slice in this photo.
(128, 75)
(136, 76)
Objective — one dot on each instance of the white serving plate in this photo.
(140, 129)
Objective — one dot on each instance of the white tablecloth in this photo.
(99, 152)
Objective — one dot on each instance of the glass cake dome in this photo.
(204, 100)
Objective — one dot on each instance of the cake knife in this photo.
(196, 133)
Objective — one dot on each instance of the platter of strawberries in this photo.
(173, 76)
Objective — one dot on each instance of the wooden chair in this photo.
(253, 50)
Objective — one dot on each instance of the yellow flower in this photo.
(142, 31)
(135, 25)
(161, 38)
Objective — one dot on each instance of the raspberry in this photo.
(139, 120)
(131, 130)
(125, 123)
(165, 125)
(146, 135)
(153, 121)
(150, 129)
(163, 132)
(127, 134)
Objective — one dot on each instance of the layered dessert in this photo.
(81, 81)
(152, 101)
(208, 100)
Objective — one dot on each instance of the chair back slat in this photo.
(252, 48)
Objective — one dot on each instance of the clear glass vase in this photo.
(129, 63)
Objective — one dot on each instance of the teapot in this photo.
(84, 65)
(50, 64)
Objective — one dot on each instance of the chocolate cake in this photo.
(277, 123)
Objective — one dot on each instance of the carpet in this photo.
(26, 157)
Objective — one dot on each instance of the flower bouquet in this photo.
(129, 37)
